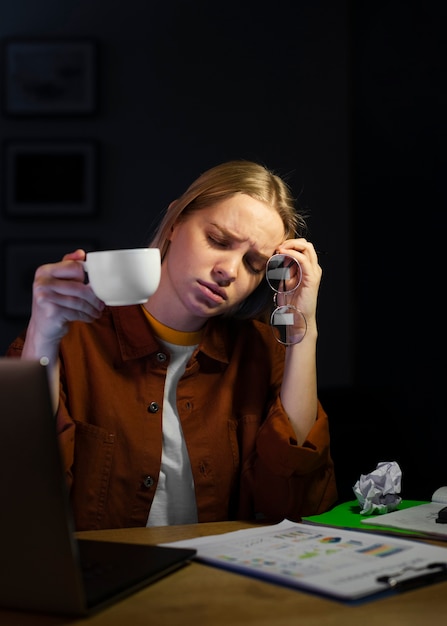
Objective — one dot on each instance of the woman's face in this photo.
(217, 257)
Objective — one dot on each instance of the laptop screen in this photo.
(40, 565)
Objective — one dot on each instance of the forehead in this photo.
(246, 219)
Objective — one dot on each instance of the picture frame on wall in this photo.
(49, 77)
(21, 259)
(50, 178)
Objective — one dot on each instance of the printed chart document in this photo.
(420, 519)
(342, 564)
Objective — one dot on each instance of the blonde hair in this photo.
(223, 181)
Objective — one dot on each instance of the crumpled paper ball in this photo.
(378, 491)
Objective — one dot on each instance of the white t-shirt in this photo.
(175, 500)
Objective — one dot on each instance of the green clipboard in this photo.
(347, 515)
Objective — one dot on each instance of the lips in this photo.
(214, 289)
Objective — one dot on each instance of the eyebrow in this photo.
(230, 235)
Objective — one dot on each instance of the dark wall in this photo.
(399, 95)
(186, 84)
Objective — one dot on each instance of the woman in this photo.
(187, 409)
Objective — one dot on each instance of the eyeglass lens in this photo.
(288, 324)
(283, 273)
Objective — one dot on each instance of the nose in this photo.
(225, 270)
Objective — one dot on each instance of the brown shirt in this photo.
(244, 458)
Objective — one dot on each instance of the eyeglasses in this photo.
(284, 274)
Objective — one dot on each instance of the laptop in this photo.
(43, 567)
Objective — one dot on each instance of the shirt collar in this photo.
(136, 339)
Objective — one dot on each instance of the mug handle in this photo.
(85, 266)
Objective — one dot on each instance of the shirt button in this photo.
(148, 481)
(153, 407)
(161, 357)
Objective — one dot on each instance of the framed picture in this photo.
(21, 259)
(50, 178)
(49, 77)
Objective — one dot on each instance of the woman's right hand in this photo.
(60, 296)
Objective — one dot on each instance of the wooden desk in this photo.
(199, 595)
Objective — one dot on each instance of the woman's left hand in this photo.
(305, 297)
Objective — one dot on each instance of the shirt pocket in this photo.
(92, 466)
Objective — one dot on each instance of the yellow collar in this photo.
(176, 337)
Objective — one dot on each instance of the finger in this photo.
(77, 255)
(55, 316)
(71, 293)
(72, 311)
(66, 269)
(303, 251)
(301, 245)
(66, 309)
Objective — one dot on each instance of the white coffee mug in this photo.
(122, 277)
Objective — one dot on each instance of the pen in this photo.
(437, 572)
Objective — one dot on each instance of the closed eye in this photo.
(217, 241)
